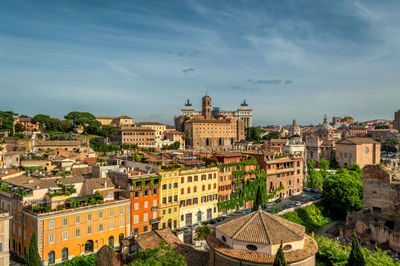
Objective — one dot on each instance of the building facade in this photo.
(362, 151)
(169, 198)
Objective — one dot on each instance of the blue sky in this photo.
(289, 59)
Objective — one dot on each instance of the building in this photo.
(339, 121)
(169, 198)
(115, 121)
(396, 121)
(211, 132)
(4, 237)
(143, 190)
(362, 151)
(70, 216)
(276, 145)
(254, 239)
(377, 222)
(318, 148)
(295, 146)
(27, 123)
(143, 137)
(244, 113)
(295, 130)
(198, 195)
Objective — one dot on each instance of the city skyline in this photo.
(289, 60)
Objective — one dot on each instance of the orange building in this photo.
(27, 123)
(143, 190)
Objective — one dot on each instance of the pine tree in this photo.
(356, 256)
(258, 201)
(32, 257)
(280, 257)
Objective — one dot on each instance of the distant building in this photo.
(254, 239)
(396, 121)
(143, 137)
(27, 123)
(5, 218)
(210, 132)
(362, 151)
(339, 121)
(115, 121)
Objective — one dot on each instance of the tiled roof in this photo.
(310, 249)
(356, 141)
(261, 227)
(153, 239)
(42, 182)
(278, 141)
(149, 123)
(56, 143)
(98, 183)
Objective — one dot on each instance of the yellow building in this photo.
(169, 198)
(105, 120)
(115, 121)
(198, 195)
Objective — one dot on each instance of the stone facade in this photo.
(379, 220)
(362, 151)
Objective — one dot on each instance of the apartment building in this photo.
(143, 137)
(169, 198)
(4, 237)
(198, 195)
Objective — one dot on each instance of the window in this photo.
(287, 247)
(64, 254)
(121, 222)
(215, 185)
(189, 179)
(89, 229)
(65, 221)
(196, 178)
(223, 238)
(111, 212)
(77, 219)
(65, 235)
(101, 227)
(137, 194)
(77, 232)
(182, 180)
(209, 176)
(101, 214)
(204, 187)
(121, 210)
(175, 185)
(251, 247)
(182, 217)
(146, 204)
(136, 206)
(52, 224)
(136, 219)
(182, 191)
(345, 155)
(182, 203)
(366, 149)
(188, 190)
(111, 225)
(176, 198)
(89, 216)
(164, 200)
(145, 217)
(145, 228)
(51, 257)
(52, 238)
(164, 187)
(163, 212)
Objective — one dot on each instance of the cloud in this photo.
(241, 88)
(120, 69)
(187, 70)
(269, 81)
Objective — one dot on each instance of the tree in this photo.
(42, 119)
(271, 135)
(315, 179)
(280, 257)
(108, 132)
(343, 192)
(162, 255)
(356, 257)
(253, 134)
(19, 127)
(65, 126)
(258, 202)
(53, 124)
(202, 232)
(310, 166)
(390, 145)
(33, 257)
(7, 121)
(105, 256)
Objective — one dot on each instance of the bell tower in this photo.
(206, 107)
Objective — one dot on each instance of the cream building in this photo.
(198, 195)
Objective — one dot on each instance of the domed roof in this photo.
(261, 227)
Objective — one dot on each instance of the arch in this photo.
(51, 257)
(111, 241)
(120, 237)
(89, 246)
(64, 254)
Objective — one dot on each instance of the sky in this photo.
(288, 59)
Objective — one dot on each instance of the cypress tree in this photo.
(32, 257)
(356, 256)
(258, 201)
(280, 257)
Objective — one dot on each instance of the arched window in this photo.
(287, 247)
(111, 241)
(223, 238)
(169, 223)
(251, 247)
(121, 237)
(51, 257)
(64, 254)
(89, 246)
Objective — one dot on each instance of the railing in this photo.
(156, 220)
(154, 208)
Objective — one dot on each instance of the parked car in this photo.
(268, 205)
(247, 211)
(219, 219)
(298, 203)
(304, 201)
(212, 221)
(278, 200)
(307, 189)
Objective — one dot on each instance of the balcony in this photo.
(154, 221)
(154, 208)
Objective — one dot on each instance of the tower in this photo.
(396, 121)
(206, 107)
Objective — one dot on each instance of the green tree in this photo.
(32, 257)
(65, 126)
(356, 257)
(108, 132)
(162, 255)
(280, 257)
(42, 119)
(390, 145)
(310, 165)
(19, 127)
(315, 180)
(7, 121)
(324, 167)
(271, 135)
(253, 134)
(343, 192)
(259, 201)
(202, 232)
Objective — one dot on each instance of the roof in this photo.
(356, 141)
(42, 182)
(309, 250)
(99, 183)
(56, 143)
(124, 117)
(278, 141)
(228, 154)
(153, 239)
(261, 227)
(149, 123)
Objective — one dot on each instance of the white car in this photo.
(298, 203)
